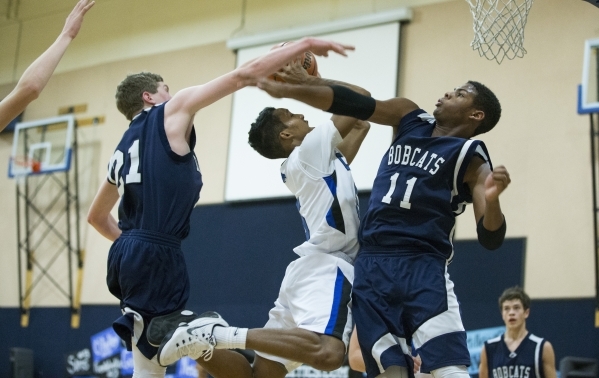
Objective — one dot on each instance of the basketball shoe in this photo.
(160, 326)
(194, 340)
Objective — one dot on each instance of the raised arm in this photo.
(341, 100)
(294, 73)
(192, 99)
(36, 76)
(351, 144)
(180, 110)
(486, 186)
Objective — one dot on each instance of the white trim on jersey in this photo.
(448, 321)
(451, 233)
(481, 152)
(458, 165)
(494, 340)
(385, 342)
(454, 190)
(539, 342)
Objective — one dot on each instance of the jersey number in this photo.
(405, 203)
(116, 164)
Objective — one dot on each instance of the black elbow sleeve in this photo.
(352, 104)
(490, 239)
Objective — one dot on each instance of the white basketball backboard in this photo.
(47, 141)
(588, 91)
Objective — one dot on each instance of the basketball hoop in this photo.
(25, 165)
(499, 28)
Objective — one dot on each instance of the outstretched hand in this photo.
(75, 19)
(496, 182)
(321, 47)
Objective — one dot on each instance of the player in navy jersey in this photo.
(311, 320)
(517, 353)
(155, 173)
(402, 293)
(36, 76)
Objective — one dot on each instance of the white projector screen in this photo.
(373, 66)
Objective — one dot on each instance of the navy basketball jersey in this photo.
(158, 187)
(419, 189)
(525, 362)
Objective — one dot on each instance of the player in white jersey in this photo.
(319, 176)
(311, 321)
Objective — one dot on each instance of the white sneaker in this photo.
(160, 326)
(194, 340)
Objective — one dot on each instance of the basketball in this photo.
(308, 62)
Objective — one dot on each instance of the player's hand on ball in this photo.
(293, 73)
(496, 182)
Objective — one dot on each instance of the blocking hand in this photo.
(75, 19)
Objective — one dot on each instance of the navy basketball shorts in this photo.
(401, 299)
(315, 295)
(147, 272)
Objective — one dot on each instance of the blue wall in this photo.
(237, 255)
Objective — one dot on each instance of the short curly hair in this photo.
(512, 293)
(486, 101)
(129, 92)
(264, 135)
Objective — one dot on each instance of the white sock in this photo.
(230, 337)
(460, 371)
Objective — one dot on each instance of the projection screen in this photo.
(373, 66)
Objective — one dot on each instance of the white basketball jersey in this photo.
(319, 177)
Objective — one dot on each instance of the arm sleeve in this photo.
(490, 239)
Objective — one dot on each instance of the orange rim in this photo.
(23, 161)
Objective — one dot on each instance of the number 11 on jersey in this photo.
(405, 203)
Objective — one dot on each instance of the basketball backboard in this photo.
(47, 142)
(588, 91)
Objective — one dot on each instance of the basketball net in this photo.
(499, 28)
(26, 166)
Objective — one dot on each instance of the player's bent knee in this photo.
(456, 371)
(330, 357)
(328, 361)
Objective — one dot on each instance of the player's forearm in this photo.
(320, 97)
(33, 80)
(313, 80)
(107, 226)
(491, 228)
(37, 75)
(493, 217)
(353, 141)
